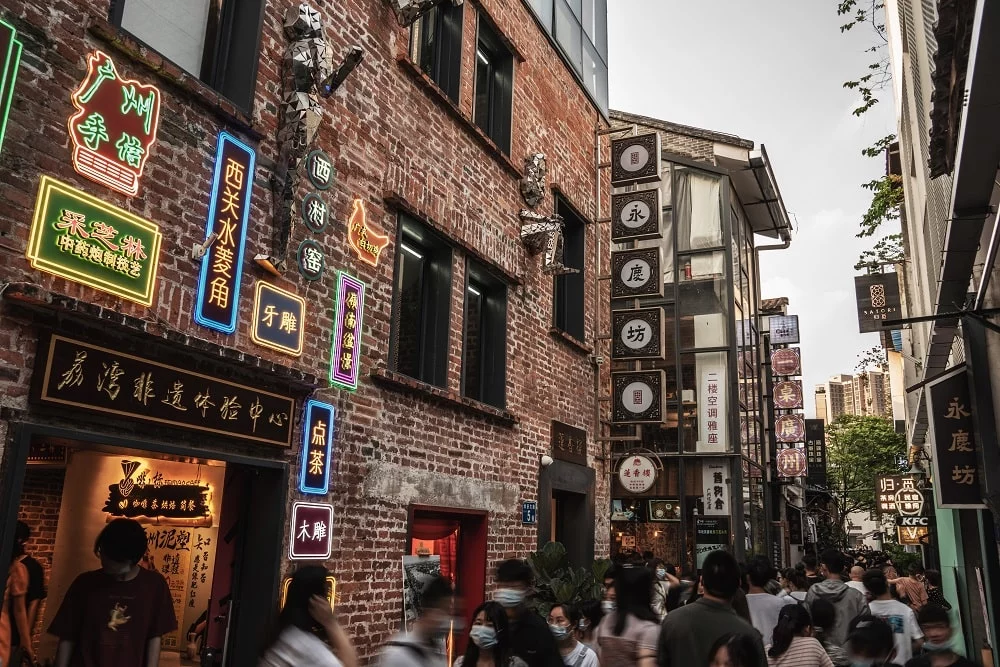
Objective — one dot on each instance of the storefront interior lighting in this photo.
(354, 56)
(270, 264)
(410, 251)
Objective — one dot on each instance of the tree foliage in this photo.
(877, 75)
(888, 250)
(874, 358)
(887, 197)
(859, 451)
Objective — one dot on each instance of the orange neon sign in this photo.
(367, 243)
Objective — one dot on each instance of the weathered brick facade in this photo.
(399, 144)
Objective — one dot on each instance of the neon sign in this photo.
(346, 353)
(10, 59)
(367, 243)
(222, 266)
(79, 237)
(317, 446)
(114, 126)
(278, 319)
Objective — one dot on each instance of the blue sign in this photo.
(317, 447)
(222, 266)
(529, 512)
(278, 319)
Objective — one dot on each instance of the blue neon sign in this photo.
(317, 447)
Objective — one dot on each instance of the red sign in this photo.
(786, 361)
(788, 395)
(790, 428)
(312, 531)
(637, 474)
(114, 126)
(792, 462)
(365, 241)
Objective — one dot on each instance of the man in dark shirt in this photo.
(530, 637)
(936, 650)
(690, 632)
(115, 616)
(36, 583)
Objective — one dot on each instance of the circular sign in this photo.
(637, 474)
(909, 501)
(634, 158)
(636, 273)
(310, 259)
(788, 395)
(792, 462)
(635, 214)
(637, 334)
(786, 361)
(319, 169)
(315, 212)
(637, 397)
(790, 428)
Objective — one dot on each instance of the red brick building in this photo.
(469, 348)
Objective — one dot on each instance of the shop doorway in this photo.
(214, 524)
(569, 513)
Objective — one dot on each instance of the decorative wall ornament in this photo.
(533, 183)
(541, 233)
(408, 11)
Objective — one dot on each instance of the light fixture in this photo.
(482, 57)
(410, 251)
(546, 460)
(355, 55)
(270, 264)
(473, 290)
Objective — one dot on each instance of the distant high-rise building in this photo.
(866, 393)
(821, 405)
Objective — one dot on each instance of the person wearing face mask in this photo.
(663, 582)
(531, 639)
(489, 639)
(870, 643)
(627, 636)
(936, 650)
(115, 616)
(563, 619)
(423, 646)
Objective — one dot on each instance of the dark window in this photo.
(494, 85)
(421, 297)
(484, 376)
(436, 46)
(217, 41)
(568, 291)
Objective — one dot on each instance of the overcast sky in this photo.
(771, 71)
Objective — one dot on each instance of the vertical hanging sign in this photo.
(956, 461)
(346, 353)
(222, 266)
(10, 58)
(114, 126)
(317, 447)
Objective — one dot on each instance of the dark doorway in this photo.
(566, 493)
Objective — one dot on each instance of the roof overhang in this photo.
(757, 188)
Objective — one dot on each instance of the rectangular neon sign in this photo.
(346, 352)
(10, 59)
(317, 447)
(81, 238)
(278, 319)
(222, 266)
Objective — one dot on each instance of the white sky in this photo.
(771, 71)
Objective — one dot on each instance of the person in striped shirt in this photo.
(793, 644)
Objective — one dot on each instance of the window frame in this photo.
(492, 370)
(575, 326)
(446, 66)
(499, 121)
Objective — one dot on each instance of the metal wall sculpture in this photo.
(408, 11)
(541, 233)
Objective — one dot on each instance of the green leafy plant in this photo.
(558, 582)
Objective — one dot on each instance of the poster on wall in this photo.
(712, 413)
(418, 571)
(710, 534)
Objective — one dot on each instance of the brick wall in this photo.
(399, 145)
(41, 496)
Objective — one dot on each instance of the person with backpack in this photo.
(423, 647)
(848, 602)
(563, 620)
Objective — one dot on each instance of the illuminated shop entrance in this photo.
(214, 524)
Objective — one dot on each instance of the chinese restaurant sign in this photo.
(637, 334)
(637, 474)
(88, 377)
(346, 354)
(114, 126)
(80, 238)
(786, 361)
(367, 243)
(635, 216)
(636, 273)
(148, 495)
(712, 410)
(635, 159)
(956, 463)
(816, 451)
(878, 300)
(715, 484)
(278, 319)
(568, 443)
(222, 266)
(898, 494)
(788, 395)
(319, 169)
(792, 462)
(790, 428)
(317, 447)
(638, 397)
(312, 531)
(10, 59)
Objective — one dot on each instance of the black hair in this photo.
(824, 614)
(634, 597)
(870, 637)
(611, 574)
(875, 581)
(21, 532)
(933, 577)
(809, 561)
(742, 650)
(915, 569)
(760, 571)
(932, 613)
(797, 577)
(834, 561)
(122, 540)
(515, 571)
(792, 620)
(305, 583)
(720, 574)
(593, 612)
(496, 615)
(648, 555)
(436, 591)
(570, 611)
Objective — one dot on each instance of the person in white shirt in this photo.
(764, 607)
(563, 620)
(906, 632)
(857, 572)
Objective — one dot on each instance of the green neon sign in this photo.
(10, 59)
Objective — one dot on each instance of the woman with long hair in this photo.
(793, 643)
(14, 612)
(563, 619)
(489, 639)
(735, 650)
(627, 636)
(307, 632)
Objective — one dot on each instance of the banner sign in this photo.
(635, 159)
(311, 531)
(788, 395)
(786, 362)
(279, 319)
(715, 487)
(345, 358)
(956, 461)
(637, 334)
(635, 216)
(711, 533)
(712, 414)
(10, 59)
(317, 448)
(638, 397)
(228, 212)
(81, 238)
(568, 443)
(97, 379)
(790, 428)
(636, 273)
(878, 300)
(816, 452)
(784, 329)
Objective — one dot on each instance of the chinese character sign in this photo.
(898, 494)
(878, 300)
(790, 428)
(568, 443)
(635, 216)
(637, 474)
(311, 529)
(956, 461)
(792, 462)
(80, 238)
(786, 361)
(710, 534)
(788, 395)
(635, 159)
(317, 447)
(114, 126)
(816, 451)
(637, 333)
(636, 273)
(10, 59)
(367, 243)
(279, 318)
(712, 414)
(222, 266)
(715, 487)
(146, 493)
(346, 352)
(638, 397)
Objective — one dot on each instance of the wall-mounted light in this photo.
(270, 264)
(354, 56)
(546, 460)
